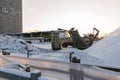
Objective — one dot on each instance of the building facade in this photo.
(10, 16)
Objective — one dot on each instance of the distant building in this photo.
(34, 37)
(10, 16)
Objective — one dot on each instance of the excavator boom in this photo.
(97, 32)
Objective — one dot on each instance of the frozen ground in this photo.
(105, 51)
(63, 55)
(19, 47)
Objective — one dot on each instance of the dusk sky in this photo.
(44, 15)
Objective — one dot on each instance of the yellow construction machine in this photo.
(74, 40)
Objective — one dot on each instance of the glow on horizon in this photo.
(45, 15)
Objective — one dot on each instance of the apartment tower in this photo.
(10, 16)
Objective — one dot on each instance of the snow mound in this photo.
(107, 49)
(14, 45)
(9, 42)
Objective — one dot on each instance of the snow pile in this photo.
(108, 49)
(11, 42)
(14, 45)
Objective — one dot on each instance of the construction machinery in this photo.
(79, 42)
(55, 40)
(74, 39)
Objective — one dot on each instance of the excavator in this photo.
(79, 42)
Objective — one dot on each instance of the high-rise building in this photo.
(10, 16)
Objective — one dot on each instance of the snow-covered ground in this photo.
(105, 51)
(19, 47)
(63, 55)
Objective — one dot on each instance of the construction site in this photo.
(62, 62)
(59, 40)
(64, 38)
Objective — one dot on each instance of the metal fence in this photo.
(12, 70)
(12, 74)
(73, 70)
(29, 53)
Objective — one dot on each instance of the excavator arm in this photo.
(97, 32)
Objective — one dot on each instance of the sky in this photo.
(46, 15)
